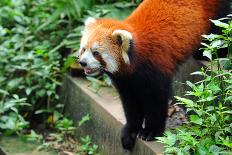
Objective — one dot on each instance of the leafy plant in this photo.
(98, 82)
(30, 68)
(32, 136)
(208, 130)
(84, 119)
(87, 147)
(64, 125)
(10, 120)
(63, 139)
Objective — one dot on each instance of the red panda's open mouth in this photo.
(91, 71)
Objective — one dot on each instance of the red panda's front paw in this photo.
(128, 138)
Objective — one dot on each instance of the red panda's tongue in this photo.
(89, 70)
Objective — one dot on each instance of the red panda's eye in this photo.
(96, 53)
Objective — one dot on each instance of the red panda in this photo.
(141, 54)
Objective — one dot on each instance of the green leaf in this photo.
(3, 92)
(208, 54)
(204, 44)
(196, 119)
(198, 73)
(213, 118)
(12, 84)
(40, 111)
(214, 149)
(169, 139)
(32, 136)
(214, 87)
(9, 123)
(188, 102)
(28, 91)
(121, 5)
(220, 24)
(201, 149)
(211, 37)
(68, 62)
(217, 43)
(8, 105)
(16, 96)
(190, 84)
(228, 99)
(84, 119)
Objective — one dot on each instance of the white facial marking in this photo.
(90, 20)
(84, 41)
(95, 46)
(88, 57)
(125, 57)
(83, 44)
(111, 64)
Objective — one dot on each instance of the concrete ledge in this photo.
(106, 112)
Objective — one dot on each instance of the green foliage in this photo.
(98, 82)
(63, 124)
(29, 67)
(55, 140)
(208, 130)
(63, 139)
(87, 147)
(32, 136)
(84, 120)
(10, 120)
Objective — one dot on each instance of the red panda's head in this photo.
(104, 46)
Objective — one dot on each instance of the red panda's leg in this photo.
(155, 117)
(154, 91)
(133, 110)
(154, 125)
(134, 118)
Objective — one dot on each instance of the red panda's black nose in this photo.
(83, 63)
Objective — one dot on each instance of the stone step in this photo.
(106, 112)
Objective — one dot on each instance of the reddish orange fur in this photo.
(164, 32)
(172, 27)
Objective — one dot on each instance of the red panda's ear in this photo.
(89, 21)
(123, 38)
